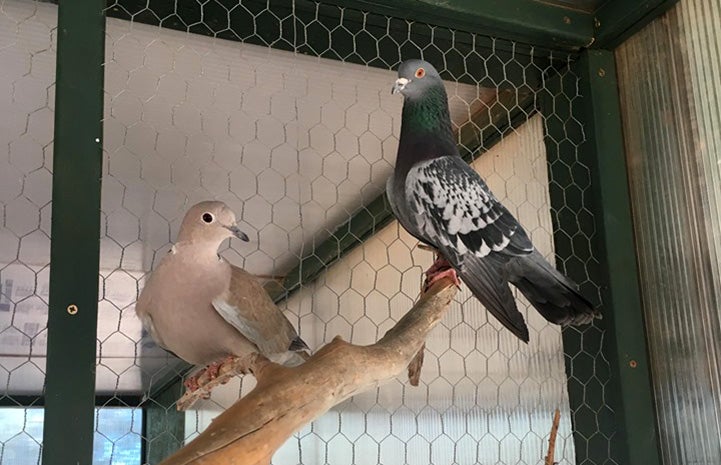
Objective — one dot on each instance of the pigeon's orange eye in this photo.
(420, 72)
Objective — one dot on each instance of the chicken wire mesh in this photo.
(27, 76)
(282, 110)
(27, 79)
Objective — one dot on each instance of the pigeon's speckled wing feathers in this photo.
(455, 209)
(451, 208)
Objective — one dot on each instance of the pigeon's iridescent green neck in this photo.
(426, 114)
(426, 128)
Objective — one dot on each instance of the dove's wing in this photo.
(249, 308)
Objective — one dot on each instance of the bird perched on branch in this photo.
(203, 309)
(444, 203)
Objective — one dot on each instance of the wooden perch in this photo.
(285, 399)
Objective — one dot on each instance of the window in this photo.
(117, 435)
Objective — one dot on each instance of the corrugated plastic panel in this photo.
(670, 90)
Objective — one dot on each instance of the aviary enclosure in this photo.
(596, 122)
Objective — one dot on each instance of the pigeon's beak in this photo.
(400, 84)
(238, 233)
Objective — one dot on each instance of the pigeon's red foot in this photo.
(440, 269)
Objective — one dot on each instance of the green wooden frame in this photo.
(595, 244)
(75, 247)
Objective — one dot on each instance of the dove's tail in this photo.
(551, 293)
(289, 358)
(296, 354)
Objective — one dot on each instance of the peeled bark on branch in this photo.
(285, 399)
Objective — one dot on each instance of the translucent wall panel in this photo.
(117, 439)
(484, 397)
(669, 78)
(27, 79)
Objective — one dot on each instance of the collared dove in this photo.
(203, 309)
(440, 200)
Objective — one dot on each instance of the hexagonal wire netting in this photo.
(283, 111)
(27, 76)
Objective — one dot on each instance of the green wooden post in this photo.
(594, 242)
(75, 247)
(617, 20)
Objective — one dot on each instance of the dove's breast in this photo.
(176, 305)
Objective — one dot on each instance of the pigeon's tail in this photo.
(484, 278)
(551, 293)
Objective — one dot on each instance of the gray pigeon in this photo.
(444, 203)
(203, 309)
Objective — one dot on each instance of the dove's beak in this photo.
(400, 84)
(238, 233)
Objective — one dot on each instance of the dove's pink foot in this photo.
(210, 372)
(440, 269)
(191, 383)
(213, 370)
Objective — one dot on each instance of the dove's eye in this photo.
(420, 72)
(208, 217)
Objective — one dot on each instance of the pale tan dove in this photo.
(203, 309)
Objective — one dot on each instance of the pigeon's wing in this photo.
(249, 308)
(390, 195)
(455, 211)
(454, 208)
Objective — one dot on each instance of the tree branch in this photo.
(285, 399)
(552, 439)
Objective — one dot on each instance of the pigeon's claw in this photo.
(440, 269)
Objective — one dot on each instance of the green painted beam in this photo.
(508, 111)
(577, 255)
(530, 22)
(609, 381)
(75, 247)
(617, 20)
(628, 352)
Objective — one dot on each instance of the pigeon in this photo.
(203, 309)
(440, 200)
